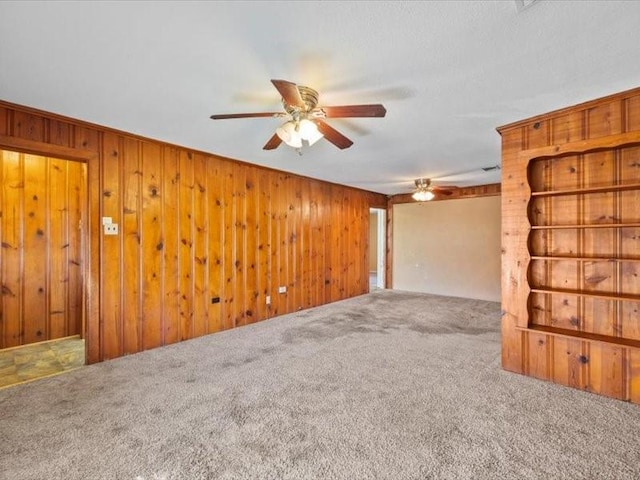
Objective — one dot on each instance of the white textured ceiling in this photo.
(447, 72)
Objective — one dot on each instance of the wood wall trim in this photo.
(46, 149)
(488, 190)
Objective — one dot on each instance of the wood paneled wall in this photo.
(195, 228)
(571, 243)
(43, 201)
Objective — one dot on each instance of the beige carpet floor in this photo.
(389, 385)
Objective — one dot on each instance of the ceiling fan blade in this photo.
(345, 111)
(273, 143)
(245, 115)
(334, 136)
(290, 93)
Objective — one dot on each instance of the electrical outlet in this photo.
(268, 299)
(282, 289)
(111, 229)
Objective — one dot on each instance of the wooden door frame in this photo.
(90, 244)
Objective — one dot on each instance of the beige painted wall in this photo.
(373, 242)
(449, 247)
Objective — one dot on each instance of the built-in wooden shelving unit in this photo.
(571, 246)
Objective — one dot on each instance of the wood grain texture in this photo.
(41, 254)
(571, 208)
(194, 228)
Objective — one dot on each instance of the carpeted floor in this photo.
(390, 385)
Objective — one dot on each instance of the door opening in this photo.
(44, 207)
(377, 248)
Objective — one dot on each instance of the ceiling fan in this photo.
(425, 191)
(306, 118)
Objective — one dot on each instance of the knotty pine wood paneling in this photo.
(570, 243)
(194, 228)
(42, 213)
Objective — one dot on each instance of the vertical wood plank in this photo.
(200, 248)
(567, 367)
(316, 247)
(111, 301)
(28, 126)
(12, 247)
(36, 288)
(216, 231)
(77, 197)
(264, 244)
(186, 245)
(229, 246)
(58, 132)
(240, 240)
(152, 246)
(634, 375)
(306, 269)
(606, 370)
(251, 233)
(130, 233)
(171, 245)
(295, 244)
(277, 251)
(538, 350)
(604, 119)
(4, 121)
(58, 247)
(92, 253)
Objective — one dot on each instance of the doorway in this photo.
(43, 202)
(377, 248)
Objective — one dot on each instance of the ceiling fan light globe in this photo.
(307, 128)
(295, 141)
(289, 134)
(285, 131)
(314, 137)
(423, 195)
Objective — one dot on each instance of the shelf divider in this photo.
(578, 335)
(583, 293)
(579, 191)
(583, 259)
(583, 226)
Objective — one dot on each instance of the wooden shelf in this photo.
(583, 259)
(577, 335)
(579, 191)
(583, 226)
(583, 293)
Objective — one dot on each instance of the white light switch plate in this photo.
(107, 220)
(282, 289)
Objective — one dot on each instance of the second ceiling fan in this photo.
(307, 118)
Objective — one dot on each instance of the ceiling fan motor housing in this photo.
(310, 98)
